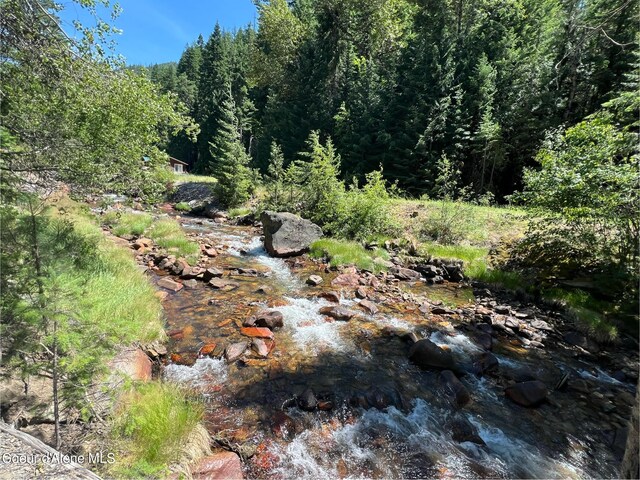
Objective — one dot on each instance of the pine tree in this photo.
(230, 161)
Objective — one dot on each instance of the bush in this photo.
(152, 424)
(587, 208)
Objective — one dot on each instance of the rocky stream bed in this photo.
(314, 372)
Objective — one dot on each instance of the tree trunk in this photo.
(56, 403)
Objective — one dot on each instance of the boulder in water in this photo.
(454, 387)
(527, 394)
(314, 280)
(338, 312)
(462, 430)
(272, 320)
(427, 354)
(286, 234)
(234, 351)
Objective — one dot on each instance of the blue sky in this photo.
(156, 31)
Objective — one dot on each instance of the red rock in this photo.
(133, 363)
(361, 292)
(338, 312)
(346, 280)
(330, 296)
(211, 252)
(368, 307)
(207, 349)
(259, 332)
(219, 466)
(169, 284)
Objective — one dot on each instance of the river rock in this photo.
(259, 332)
(368, 306)
(454, 387)
(260, 347)
(210, 273)
(282, 425)
(346, 280)
(427, 354)
(133, 363)
(307, 400)
(462, 430)
(234, 351)
(219, 466)
(330, 296)
(169, 284)
(286, 234)
(527, 394)
(442, 311)
(485, 363)
(220, 284)
(314, 280)
(405, 274)
(337, 312)
(272, 320)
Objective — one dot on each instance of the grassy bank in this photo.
(166, 232)
(340, 252)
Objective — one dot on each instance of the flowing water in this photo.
(389, 418)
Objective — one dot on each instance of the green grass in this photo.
(341, 252)
(191, 178)
(590, 314)
(476, 225)
(239, 212)
(182, 207)
(127, 223)
(116, 299)
(168, 234)
(153, 423)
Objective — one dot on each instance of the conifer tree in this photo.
(230, 161)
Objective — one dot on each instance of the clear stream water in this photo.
(362, 358)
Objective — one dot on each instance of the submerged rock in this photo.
(527, 394)
(307, 400)
(426, 354)
(286, 234)
(258, 332)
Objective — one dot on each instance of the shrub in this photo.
(587, 209)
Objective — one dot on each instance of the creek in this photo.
(381, 416)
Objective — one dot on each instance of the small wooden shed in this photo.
(178, 166)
